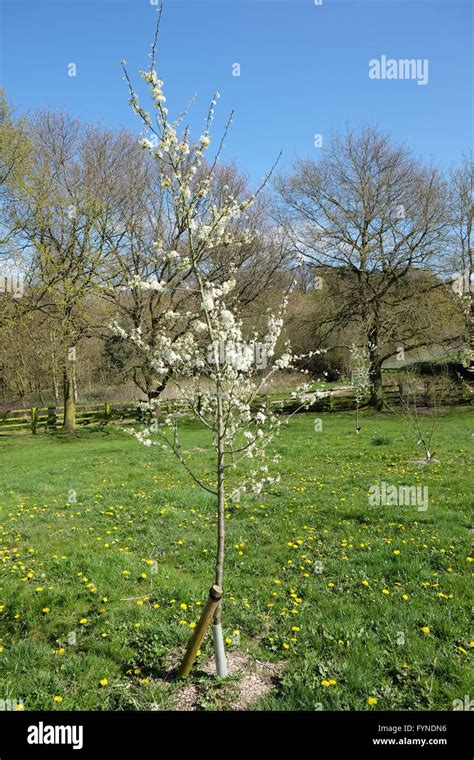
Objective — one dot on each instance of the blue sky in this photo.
(304, 68)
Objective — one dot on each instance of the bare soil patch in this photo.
(249, 679)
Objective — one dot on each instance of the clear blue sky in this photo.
(304, 68)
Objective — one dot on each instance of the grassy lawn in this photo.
(107, 587)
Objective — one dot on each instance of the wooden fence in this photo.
(36, 419)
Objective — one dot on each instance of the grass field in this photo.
(107, 555)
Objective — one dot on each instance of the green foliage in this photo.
(380, 440)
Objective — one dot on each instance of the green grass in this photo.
(140, 534)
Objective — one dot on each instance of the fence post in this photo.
(34, 419)
(107, 410)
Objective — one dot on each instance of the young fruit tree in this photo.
(215, 364)
(415, 392)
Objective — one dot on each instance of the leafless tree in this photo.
(60, 216)
(373, 220)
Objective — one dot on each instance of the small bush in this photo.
(380, 440)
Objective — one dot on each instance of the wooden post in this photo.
(107, 410)
(212, 603)
(34, 419)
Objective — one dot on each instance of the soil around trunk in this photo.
(248, 681)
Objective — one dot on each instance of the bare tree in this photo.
(60, 215)
(374, 220)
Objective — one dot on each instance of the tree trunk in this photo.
(375, 368)
(376, 395)
(54, 382)
(69, 423)
(54, 369)
(221, 665)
